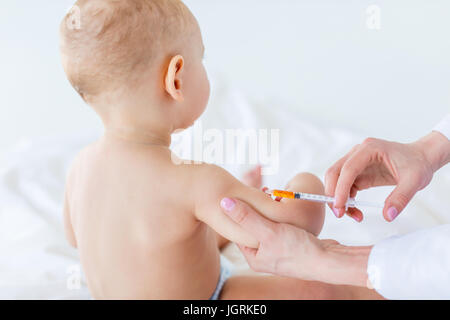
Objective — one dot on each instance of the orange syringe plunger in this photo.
(283, 194)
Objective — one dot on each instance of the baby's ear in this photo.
(173, 83)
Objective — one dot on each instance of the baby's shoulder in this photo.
(209, 179)
(76, 165)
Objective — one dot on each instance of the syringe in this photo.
(351, 202)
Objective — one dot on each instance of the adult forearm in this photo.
(343, 265)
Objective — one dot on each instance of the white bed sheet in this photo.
(36, 262)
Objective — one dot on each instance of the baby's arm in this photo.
(213, 184)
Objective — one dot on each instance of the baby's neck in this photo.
(138, 137)
(134, 122)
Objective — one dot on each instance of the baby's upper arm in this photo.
(211, 186)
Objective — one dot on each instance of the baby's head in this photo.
(137, 62)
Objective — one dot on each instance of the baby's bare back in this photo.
(134, 225)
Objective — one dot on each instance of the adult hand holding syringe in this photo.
(409, 167)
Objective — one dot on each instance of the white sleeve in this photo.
(444, 126)
(414, 266)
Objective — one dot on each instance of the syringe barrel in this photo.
(314, 197)
(351, 202)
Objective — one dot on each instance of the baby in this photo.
(145, 226)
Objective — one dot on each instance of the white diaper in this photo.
(226, 271)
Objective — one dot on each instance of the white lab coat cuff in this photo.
(413, 266)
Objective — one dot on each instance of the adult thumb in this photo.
(399, 199)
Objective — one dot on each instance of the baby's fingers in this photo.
(250, 255)
(248, 252)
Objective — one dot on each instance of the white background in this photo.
(316, 55)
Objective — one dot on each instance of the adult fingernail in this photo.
(392, 213)
(227, 204)
(336, 212)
